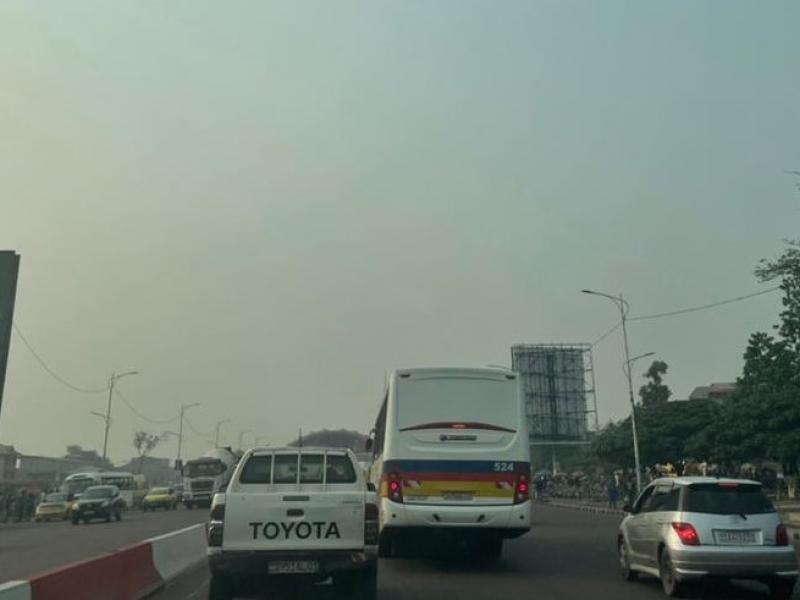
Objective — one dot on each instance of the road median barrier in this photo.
(129, 573)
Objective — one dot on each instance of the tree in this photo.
(762, 422)
(338, 438)
(655, 392)
(668, 432)
(144, 443)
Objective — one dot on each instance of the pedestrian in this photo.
(613, 493)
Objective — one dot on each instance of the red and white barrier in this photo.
(126, 574)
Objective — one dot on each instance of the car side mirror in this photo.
(371, 487)
(368, 445)
(627, 508)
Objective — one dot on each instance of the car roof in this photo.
(697, 479)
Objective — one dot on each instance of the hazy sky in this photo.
(264, 206)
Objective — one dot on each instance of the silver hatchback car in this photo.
(684, 529)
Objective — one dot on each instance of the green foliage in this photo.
(668, 432)
(762, 421)
(655, 391)
(339, 438)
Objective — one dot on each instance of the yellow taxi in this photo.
(160, 497)
(55, 506)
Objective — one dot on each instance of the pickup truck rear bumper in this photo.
(256, 562)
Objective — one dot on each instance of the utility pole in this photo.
(184, 408)
(111, 382)
(624, 307)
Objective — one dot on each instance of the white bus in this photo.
(124, 481)
(77, 483)
(451, 459)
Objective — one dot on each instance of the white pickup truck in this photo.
(292, 514)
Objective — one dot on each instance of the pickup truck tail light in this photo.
(218, 512)
(394, 487)
(371, 525)
(522, 488)
(217, 525)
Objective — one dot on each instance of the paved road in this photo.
(29, 548)
(570, 555)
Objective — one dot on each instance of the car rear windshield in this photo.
(258, 469)
(727, 499)
(99, 492)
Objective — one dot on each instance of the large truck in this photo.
(204, 476)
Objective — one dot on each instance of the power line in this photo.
(606, 334)
(683, 311)
(144, 417)
(205, 436)
(51, 372)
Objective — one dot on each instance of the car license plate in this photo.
(735, 538)
(290, 567)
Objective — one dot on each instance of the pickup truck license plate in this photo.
(735, 538)
(289, 567)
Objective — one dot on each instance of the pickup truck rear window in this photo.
(340, 470)
(258, 469)
(727, 499)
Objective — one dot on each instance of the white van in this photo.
(451, 460)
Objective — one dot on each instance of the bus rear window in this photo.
(447, 400)
(727, 499)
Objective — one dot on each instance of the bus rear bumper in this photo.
(507, 520)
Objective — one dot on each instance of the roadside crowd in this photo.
(18, 505)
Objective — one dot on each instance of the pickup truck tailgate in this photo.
(294, 520)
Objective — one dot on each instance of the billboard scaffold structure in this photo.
(559, 387)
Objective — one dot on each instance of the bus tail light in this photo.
(371, 525)
(394, 487)
(522, 488)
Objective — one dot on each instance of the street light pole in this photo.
(184, 408)
(624, 307)
(216, 431)
(241, 436)
(111, 383)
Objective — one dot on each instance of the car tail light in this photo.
(394, 487)
(522, 488)
(371, 525)
(687, 533)
(781, 535)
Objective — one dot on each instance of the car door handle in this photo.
(295, 512)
